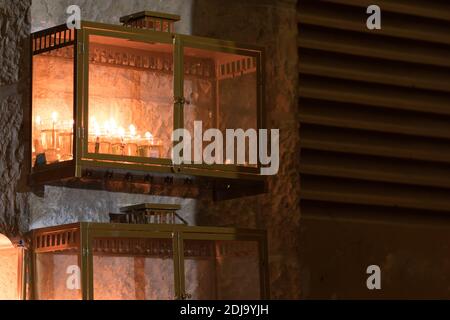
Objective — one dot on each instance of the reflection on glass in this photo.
(221, 91)
(130, 98)
(53, 123)
(9, 276)
(133, 269)
(58, 276)
(222, 270)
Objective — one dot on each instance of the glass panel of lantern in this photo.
(58, 275)
(221, 91)
(133, 269)
(10, 266)
(130, 98)
(222, 270)
(53, 106)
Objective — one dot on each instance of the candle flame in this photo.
(97, 129)
(132, 130)
(121, 132)
(107, 127)
(54, 116)
(148, 136)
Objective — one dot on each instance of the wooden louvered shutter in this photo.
(374, 107)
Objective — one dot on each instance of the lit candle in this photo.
(38, 121)
(38, 140)
(132, 131)
(54, 117)
(107, 127)
(121, 132)
(131, 147)
(113, 126)
(97, 130)
(54, 120)
(97, 138)
(149, 137)
(152, 147)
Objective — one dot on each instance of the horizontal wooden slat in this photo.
(373, 143)
(351, 18)
(436, 9)
(373, 70)
(374, 46)
(344, 212)
(374, 168)
(374, 95)
(328, 113)
(374, 107)
(374, 193)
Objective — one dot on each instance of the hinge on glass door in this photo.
(186, 296)
(179, 100)
(81, 48)
(80, 133)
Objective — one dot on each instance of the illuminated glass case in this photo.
(148, 262)
(109, 97)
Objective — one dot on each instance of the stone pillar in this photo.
(14, 109)
(272, 24)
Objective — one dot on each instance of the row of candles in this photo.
(113, 139)
(54, 139)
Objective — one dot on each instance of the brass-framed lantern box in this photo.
(106, 99)
(145, 262)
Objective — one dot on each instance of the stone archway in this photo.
(9, 269)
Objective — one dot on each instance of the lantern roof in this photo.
(149, 14)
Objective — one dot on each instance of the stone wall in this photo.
(269, 23)
(48, 13)
(14, 106)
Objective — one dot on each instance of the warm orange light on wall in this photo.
(9, 270)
